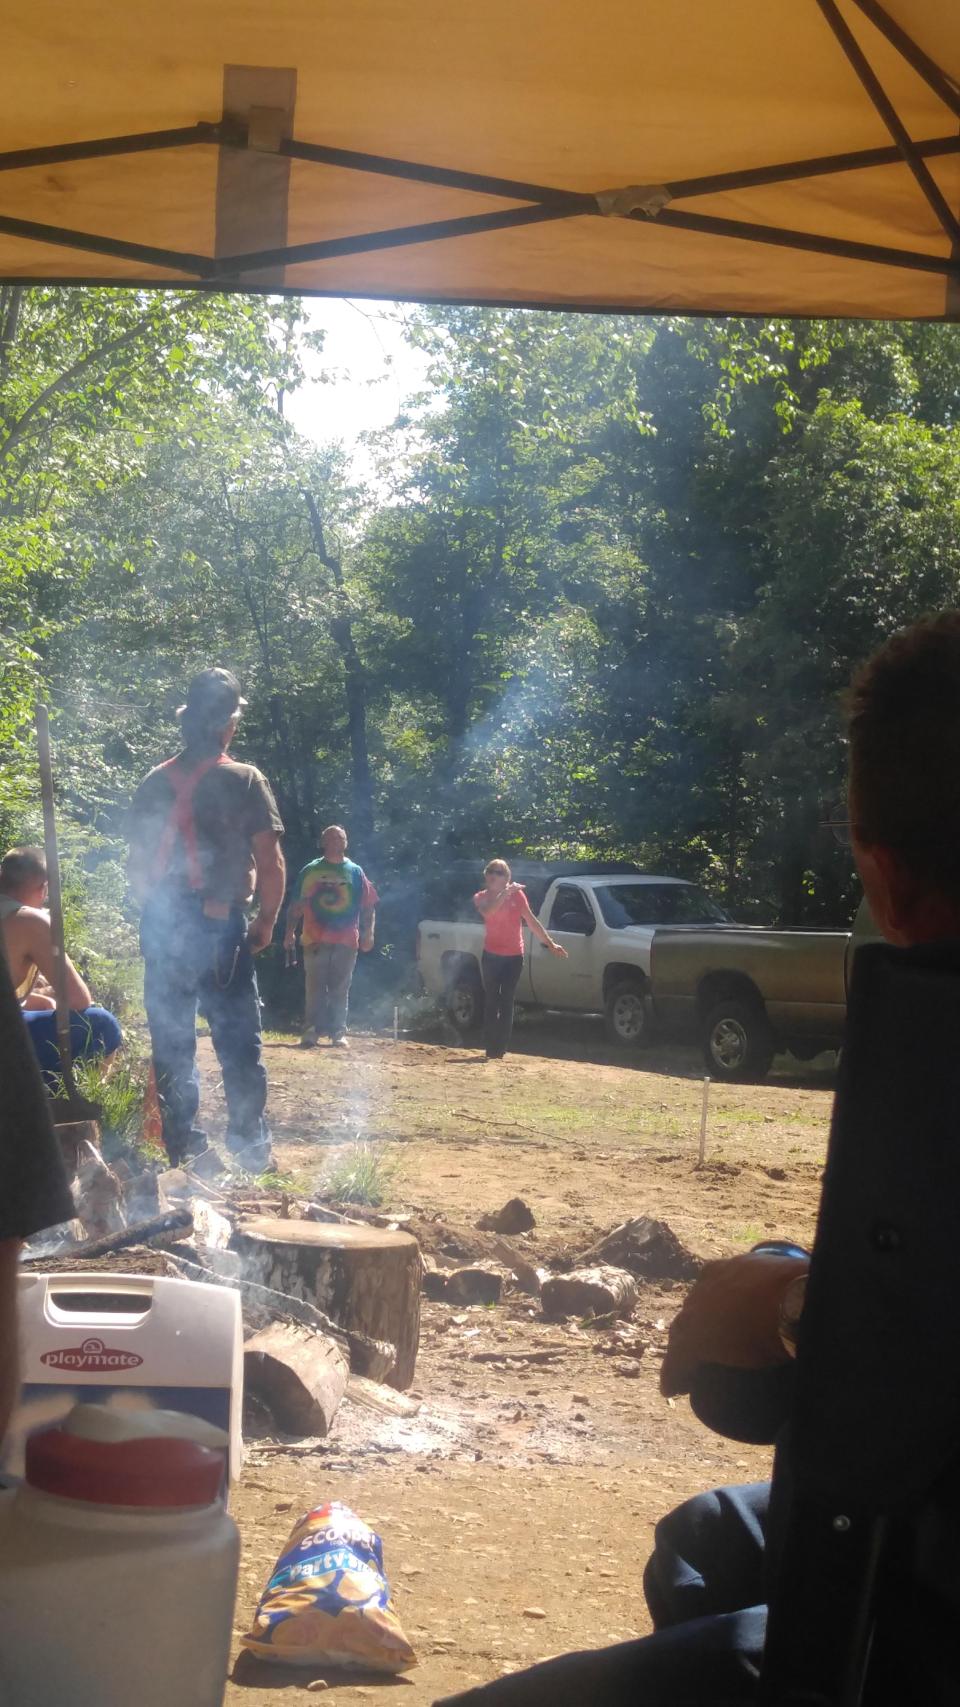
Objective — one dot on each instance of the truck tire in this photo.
(464, 1001)
(738, 1044)
(627, 1014)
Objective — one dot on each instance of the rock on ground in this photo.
(646, 1248)
(515, 1217)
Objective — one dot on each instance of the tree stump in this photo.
(364, 1278)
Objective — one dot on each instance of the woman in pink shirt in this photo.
(505, 910)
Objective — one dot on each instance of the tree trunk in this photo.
(364, 1278)
(354, 680)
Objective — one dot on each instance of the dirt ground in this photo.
(517, 1508)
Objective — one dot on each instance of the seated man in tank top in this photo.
(27, 942)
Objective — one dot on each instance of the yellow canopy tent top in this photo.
(748, 156)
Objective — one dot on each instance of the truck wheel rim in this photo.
(628, 1017)
(462, 1006)
(729, 1044)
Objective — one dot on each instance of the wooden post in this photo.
(364, 1278)
(703, 1121)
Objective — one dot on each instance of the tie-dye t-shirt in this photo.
(334, 896)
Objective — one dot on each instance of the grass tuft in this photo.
(359, 1174)
(120, 1095)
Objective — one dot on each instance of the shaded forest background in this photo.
(602, 597)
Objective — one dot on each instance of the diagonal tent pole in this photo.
(201, 266)
(891, 119)
(923, 65)
(140, 142)
(796, 171)
(780, 237)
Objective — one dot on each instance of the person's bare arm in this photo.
(271, 882)
(38, 938)
(730, 1316)
(9, 1364)
(368, 920)
(139, 864)
(542, 935)
(487, 902)
(295, 915)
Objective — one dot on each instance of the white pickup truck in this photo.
(605, 923)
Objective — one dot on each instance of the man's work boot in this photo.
(186, 1148)
(253, 1155)
(339, 1042)
(309, 1039)
(207, 1165)
(255, 1159)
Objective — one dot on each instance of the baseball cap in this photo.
(213, 695)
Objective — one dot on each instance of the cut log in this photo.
(365, 1279)
(97, 1191)
(300, 1376)
(589, 1292)
(176, 1223)
(473, 1286)
(373, 1396)
(528, 1278)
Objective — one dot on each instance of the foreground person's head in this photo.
(209, 717)
(904, 726)
(23, 875)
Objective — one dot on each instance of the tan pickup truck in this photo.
(748, 993)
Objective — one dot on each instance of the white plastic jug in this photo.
(118, 1565)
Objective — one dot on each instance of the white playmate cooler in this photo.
(131, 1342)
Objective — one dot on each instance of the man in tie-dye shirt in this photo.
(335, 906)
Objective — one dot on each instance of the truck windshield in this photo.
(624, 904)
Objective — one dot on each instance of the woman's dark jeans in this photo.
(501, 975)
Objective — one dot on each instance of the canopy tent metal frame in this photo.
(262, 132)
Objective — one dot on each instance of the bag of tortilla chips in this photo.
(328, 1601)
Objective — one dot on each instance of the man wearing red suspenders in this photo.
(204, 839)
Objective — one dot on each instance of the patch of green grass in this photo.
(747, 1235)
(557, 1117)
(359, 1174)
(272, 1181)
(120, 1097)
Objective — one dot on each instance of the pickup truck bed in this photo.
(748, 993)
